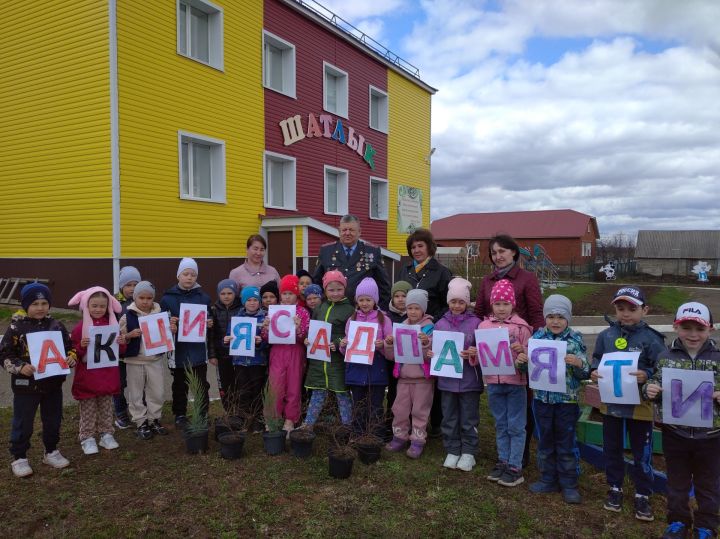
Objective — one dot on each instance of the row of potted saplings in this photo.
(229, 432)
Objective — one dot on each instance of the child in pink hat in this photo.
(507, 395)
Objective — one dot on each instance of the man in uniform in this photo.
(356, 259)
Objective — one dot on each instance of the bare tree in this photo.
(619, 247)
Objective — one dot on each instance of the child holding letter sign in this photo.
(94, 388)
(692, 454)
(397, 313)
(190, 355)
(227, 305)
(507, 395)
(251, 371)
(629, 333)
(557, 413)
(287, 361)
(29, 393)
(461, 396)
(414, 399)
(146, 387)
(367, 382)
(324, 376)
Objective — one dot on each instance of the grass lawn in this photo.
(574, 292)
(152, 488)
(667, 298)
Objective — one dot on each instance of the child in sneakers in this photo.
(692, 454)
(313, 297)
(287, 361)
(251, 371)
(507, 394)
(367, 382)
(187, 355)
(323, 376)
(94, 388)
(128, 278)
(556, 413)
(29, 393)
(629, 333)
(146, 386)
(461, 396)
(227, 305)
(415, 386)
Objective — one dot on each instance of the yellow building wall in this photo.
(162, 92)
(408, 148)
(299, 231)
(55, 182)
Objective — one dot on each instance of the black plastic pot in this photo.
(231, 444)
(274, 442)
(301, 442)
(369, 452)
(223, 424)
(340, 467)
(196, 441)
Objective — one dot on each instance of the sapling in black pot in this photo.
(197, 426)
(274, 436)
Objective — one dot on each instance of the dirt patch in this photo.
(599, 301)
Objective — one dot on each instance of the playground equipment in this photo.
(538, 262)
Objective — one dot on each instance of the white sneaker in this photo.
(89, 446)
(55, 459)
(21, 468)
(108, 441)
(451, 461)
(466, 462)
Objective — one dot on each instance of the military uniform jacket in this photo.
(366, 261)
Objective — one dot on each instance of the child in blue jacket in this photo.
(192, 355)
(629, 333)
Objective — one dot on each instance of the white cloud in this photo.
(617, 129)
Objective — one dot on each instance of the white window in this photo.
(278, 64)
(202, 167)
(378, 109)
(200, 31)
(586, 249)
(335, 90)
(336, 191)
(279, 181)
(378, 199)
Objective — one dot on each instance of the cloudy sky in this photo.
(608, 107)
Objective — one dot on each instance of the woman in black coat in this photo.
(426, 273)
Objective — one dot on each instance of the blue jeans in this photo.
(557, 453)
(508, 404)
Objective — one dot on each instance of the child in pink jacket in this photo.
(507, 395)
(415, 387)
(287, 361)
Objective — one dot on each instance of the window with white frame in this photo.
(202, 167)
(279, 181)
(378, 109)
(586, 248)
(335, 90)
(336, 191)
(200, 31)
(278, 64)
(378, 199)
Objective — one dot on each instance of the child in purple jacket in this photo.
(461, 396)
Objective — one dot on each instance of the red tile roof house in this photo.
(568, 237)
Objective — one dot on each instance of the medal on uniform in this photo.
(621, 343)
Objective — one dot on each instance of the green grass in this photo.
(668, 299)
(574, 292)
(153, 489)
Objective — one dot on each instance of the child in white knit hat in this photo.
(461, 396)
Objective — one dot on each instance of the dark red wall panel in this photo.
(313, 46)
